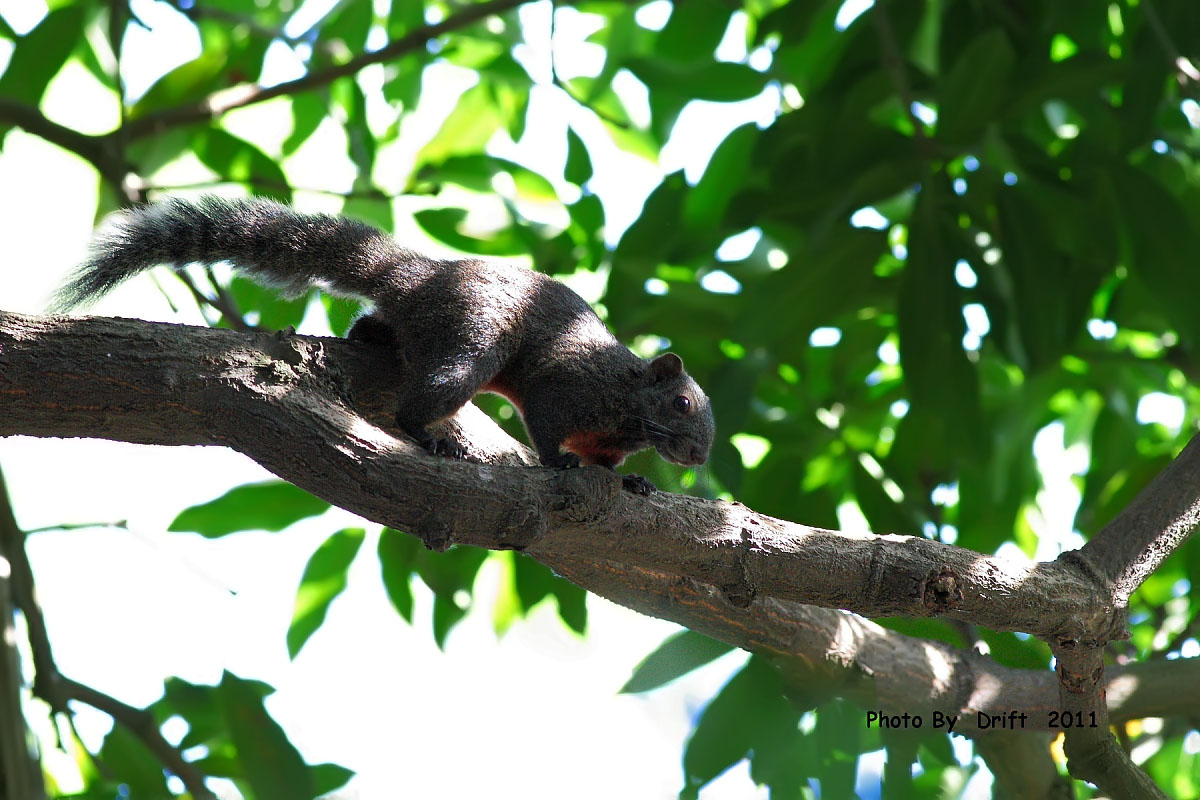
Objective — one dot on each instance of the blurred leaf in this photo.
(324, 579)
(239, 161)
(692, 33)
(397, 556)
(579, 163)
(678, 655)
(349, 23)
(327, 778)
(719, 81)
(274, 312)
(128, 760)
(39, 55)
(1163, 240)
(1050, 296)
(976, 87)
(943, 387)
(191, 81)
(534, 582)
(704, 207)
(269, 763)
(269, 506)
(748, 712)
(467, 129)
(444, 225)
(308, 112)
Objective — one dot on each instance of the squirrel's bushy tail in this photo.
(264, 239)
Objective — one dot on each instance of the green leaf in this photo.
(467, 129)
(718, 81)
(324, 579)
(239, 161)
(191, 81)
(269, 763)
(269, 506)
(127, 759)
(328, 778)
(748, 711)
(534, 582)
(308, 112)
(341, 312)
(272, 310)
(1164, 241)
(349, 23)
(1049, 300)
(693, 32)
(705, 205)
(444, 224)
(196, 705)
(450, 575)
(975, 88)
(397, 560)
(943, 387)
(678, 655)
(40, 54)
(788, 304)
(579, 163)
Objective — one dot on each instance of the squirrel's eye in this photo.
(682, 404)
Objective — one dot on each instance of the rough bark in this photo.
(289, 403)
(316, 412)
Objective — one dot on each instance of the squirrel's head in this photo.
(674, 413)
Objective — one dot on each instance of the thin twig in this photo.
(1187, 71)
(50, 684)
(226, 100)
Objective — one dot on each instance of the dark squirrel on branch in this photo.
(457, 327)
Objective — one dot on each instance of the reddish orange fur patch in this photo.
(509, 393)
(594, 447)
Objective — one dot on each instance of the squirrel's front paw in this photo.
(446, 447)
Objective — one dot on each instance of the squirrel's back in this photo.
(458, 327)
(265, 239)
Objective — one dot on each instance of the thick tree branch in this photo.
(285, 402)
(99, 151)
(1151, 528)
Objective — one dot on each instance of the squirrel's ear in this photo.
(668, 365)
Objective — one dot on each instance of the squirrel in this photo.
(458, 327)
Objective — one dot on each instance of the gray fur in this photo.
(458, 327)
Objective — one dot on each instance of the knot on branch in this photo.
(1078, 682)
(942, 591)
(435, 534)
(583, 495)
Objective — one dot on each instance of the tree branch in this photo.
(20, 769)
(99, 151)
(56, 689)
(1152, 527)
(717, 568)
(225, 100)
(285, 401)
